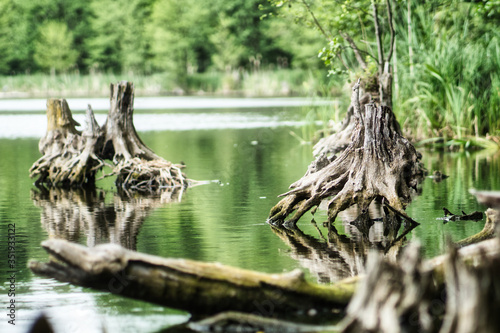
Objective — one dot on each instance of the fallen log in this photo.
(379, 163)
(197, 287)
(211, 288)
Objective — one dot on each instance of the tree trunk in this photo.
(378, 164)
(197, 287)
(72, 158)
(413, 296)
(69, 157)
(400, 292)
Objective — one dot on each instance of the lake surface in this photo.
(250, 157)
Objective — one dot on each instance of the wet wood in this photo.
(243, 322)
(489, 230)
(69, 156)
(378, 164)
(449, 216)
(72, 159)
(415, 296)
(197, 287)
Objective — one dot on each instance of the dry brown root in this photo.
(69, 157)
(137, 167)
(379, 163)
(149, 176)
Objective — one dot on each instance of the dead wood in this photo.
(391, 296)
(413, 296)
(244, 322)
(197, 287)
(473, 295)
(72, 158)
(378, 164)
(489, 230)
(331, 145)
(69, 156)
(389, 293)
(449, 216)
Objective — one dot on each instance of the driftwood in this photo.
(449, 216)
(206, 288)
(71, 159)
(457, 292)
(489, 230)
(197, 287)
(378, 164)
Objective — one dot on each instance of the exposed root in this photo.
(379, 163)
(69, 158)
(149, 176)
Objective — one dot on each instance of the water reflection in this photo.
(85, 213)
(337, 256)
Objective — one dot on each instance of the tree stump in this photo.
(379, 163)
(69, 157)
(136, 166)
(72, 158)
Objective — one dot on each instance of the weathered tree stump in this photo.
(338, 141)
(457, 292)
(378, 164)
(72, 158)
(136, 166)
(69, 157)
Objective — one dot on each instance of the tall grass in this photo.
(267, 82)
(455, 90)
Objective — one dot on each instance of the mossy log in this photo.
(197, 287)
(211, 288)
(379, 163)
(72, 159)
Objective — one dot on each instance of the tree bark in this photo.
(69, 156)
(72, 158)
(197, 287)
(379, 163)
(400, 291)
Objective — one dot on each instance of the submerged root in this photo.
(379, 163)
(149, 176)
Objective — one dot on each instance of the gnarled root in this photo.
(379, 163)
(69, 157)
(147, 176)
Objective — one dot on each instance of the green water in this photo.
(223, 221)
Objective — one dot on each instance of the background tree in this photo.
(54, 47)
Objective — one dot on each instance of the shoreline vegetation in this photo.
(261, 84)
(264, 83)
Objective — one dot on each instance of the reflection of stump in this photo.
(379, 163)
(83, 213)
(69, 157)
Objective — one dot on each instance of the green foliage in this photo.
(54, 47)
